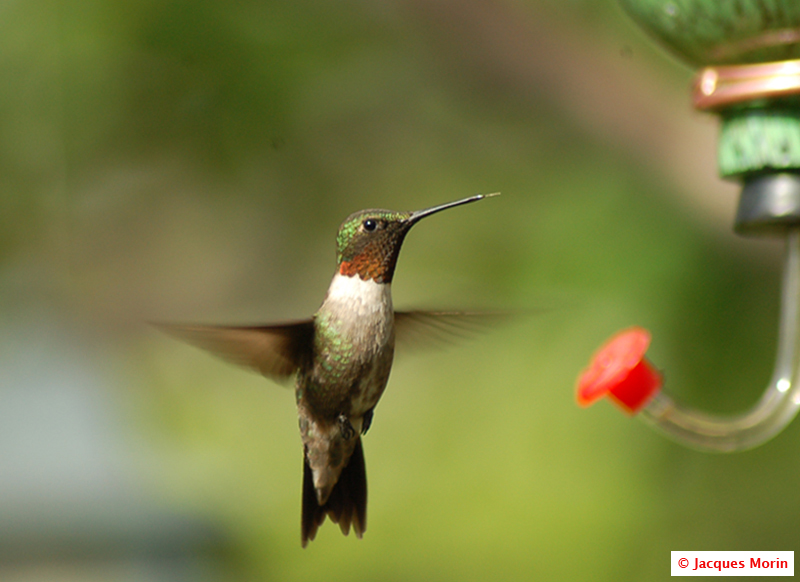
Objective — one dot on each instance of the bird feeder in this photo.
(620, 371)
(748, 52)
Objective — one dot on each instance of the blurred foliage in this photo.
(192, 160)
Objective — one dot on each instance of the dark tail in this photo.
(347, 503)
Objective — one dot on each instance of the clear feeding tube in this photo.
(777, 407)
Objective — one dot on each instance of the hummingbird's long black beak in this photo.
(420, 214)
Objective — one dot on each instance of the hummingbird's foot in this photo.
(346, 427)
(367, 422)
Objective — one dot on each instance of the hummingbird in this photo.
(340, 357)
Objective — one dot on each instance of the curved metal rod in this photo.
(777, 407)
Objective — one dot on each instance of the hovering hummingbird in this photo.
(341, 357)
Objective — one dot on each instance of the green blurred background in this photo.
(191, 161)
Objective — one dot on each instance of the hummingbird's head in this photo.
(369, 241)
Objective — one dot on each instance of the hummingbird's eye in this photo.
(370, 225)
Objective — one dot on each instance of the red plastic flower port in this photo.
(620, 369)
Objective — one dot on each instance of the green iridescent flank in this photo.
(352, 223)
(335, 350)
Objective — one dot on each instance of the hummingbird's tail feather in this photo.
(313, 515)
(347, 504)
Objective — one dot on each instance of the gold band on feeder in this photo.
(717, 87)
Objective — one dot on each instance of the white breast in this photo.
(363, 309)
(359, 297)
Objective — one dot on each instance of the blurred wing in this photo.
(421, 329)
(275, 351)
